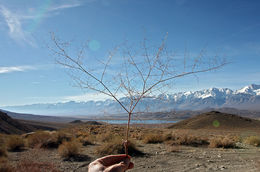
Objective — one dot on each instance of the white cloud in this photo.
(15, 27)
(15, 20)
(15, 69)
(86, 97)
(64, 6)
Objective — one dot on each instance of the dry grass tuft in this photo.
(85, 141)
(2, 139)
(4, 165)
(188, 140)
(45, 139)
(3, 152)
(106, 137)
(115, 146)
(62, 136)
(69, 149)
(153, 138)
(253, 140)
(39, 139)
(222, 143)
(14, 143)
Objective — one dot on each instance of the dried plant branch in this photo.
(138, 77)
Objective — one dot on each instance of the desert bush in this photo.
(167, 136)
(222, 143)
(45, 139)
(4, 165)
(2, 139)
(63, 136)
(105, 137)
(236, 138)
(115, 146)
(14, 143)
(6, 168)
(153, 138)
(28, 166)
(188, 140)
(137, 135)
(85, 140)
(69, 149)
(38, 139)
(3, 152)
(253, 140)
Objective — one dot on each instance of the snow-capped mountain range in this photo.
(247, 98)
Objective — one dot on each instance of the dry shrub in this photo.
(38, 139)
(115, 146)
(222, 143)
(14, 143)
(69, 149)
(3, 160)
(3, 152)
(85, 141)
(28, 166)
(236, 138)
(168, 136)
(5, 166)
(45, 139)
(106, 137)
(2, 139)
(188, 140)
(137, 135)
(253, 140)
(153, 138)
(63, 136)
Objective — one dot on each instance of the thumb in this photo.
(120, 167)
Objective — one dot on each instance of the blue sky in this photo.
(28, 73)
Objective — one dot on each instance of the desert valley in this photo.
(212, 141)
(129, 85)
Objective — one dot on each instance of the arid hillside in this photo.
(217, 120)
(9, 125)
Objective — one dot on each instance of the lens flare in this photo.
(94, 45)
(216, 123)
(38, 16)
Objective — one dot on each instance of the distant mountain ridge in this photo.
(246, 98)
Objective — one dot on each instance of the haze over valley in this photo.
(246, 98)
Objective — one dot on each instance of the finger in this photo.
(113, 159)
(120, 167)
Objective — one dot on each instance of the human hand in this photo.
(111, 163)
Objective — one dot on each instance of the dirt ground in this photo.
(158, 158)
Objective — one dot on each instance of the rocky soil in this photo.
(159, 157)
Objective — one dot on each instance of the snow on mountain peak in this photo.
(246, 97)
(252, 89)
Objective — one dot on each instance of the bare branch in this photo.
(143, 73)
